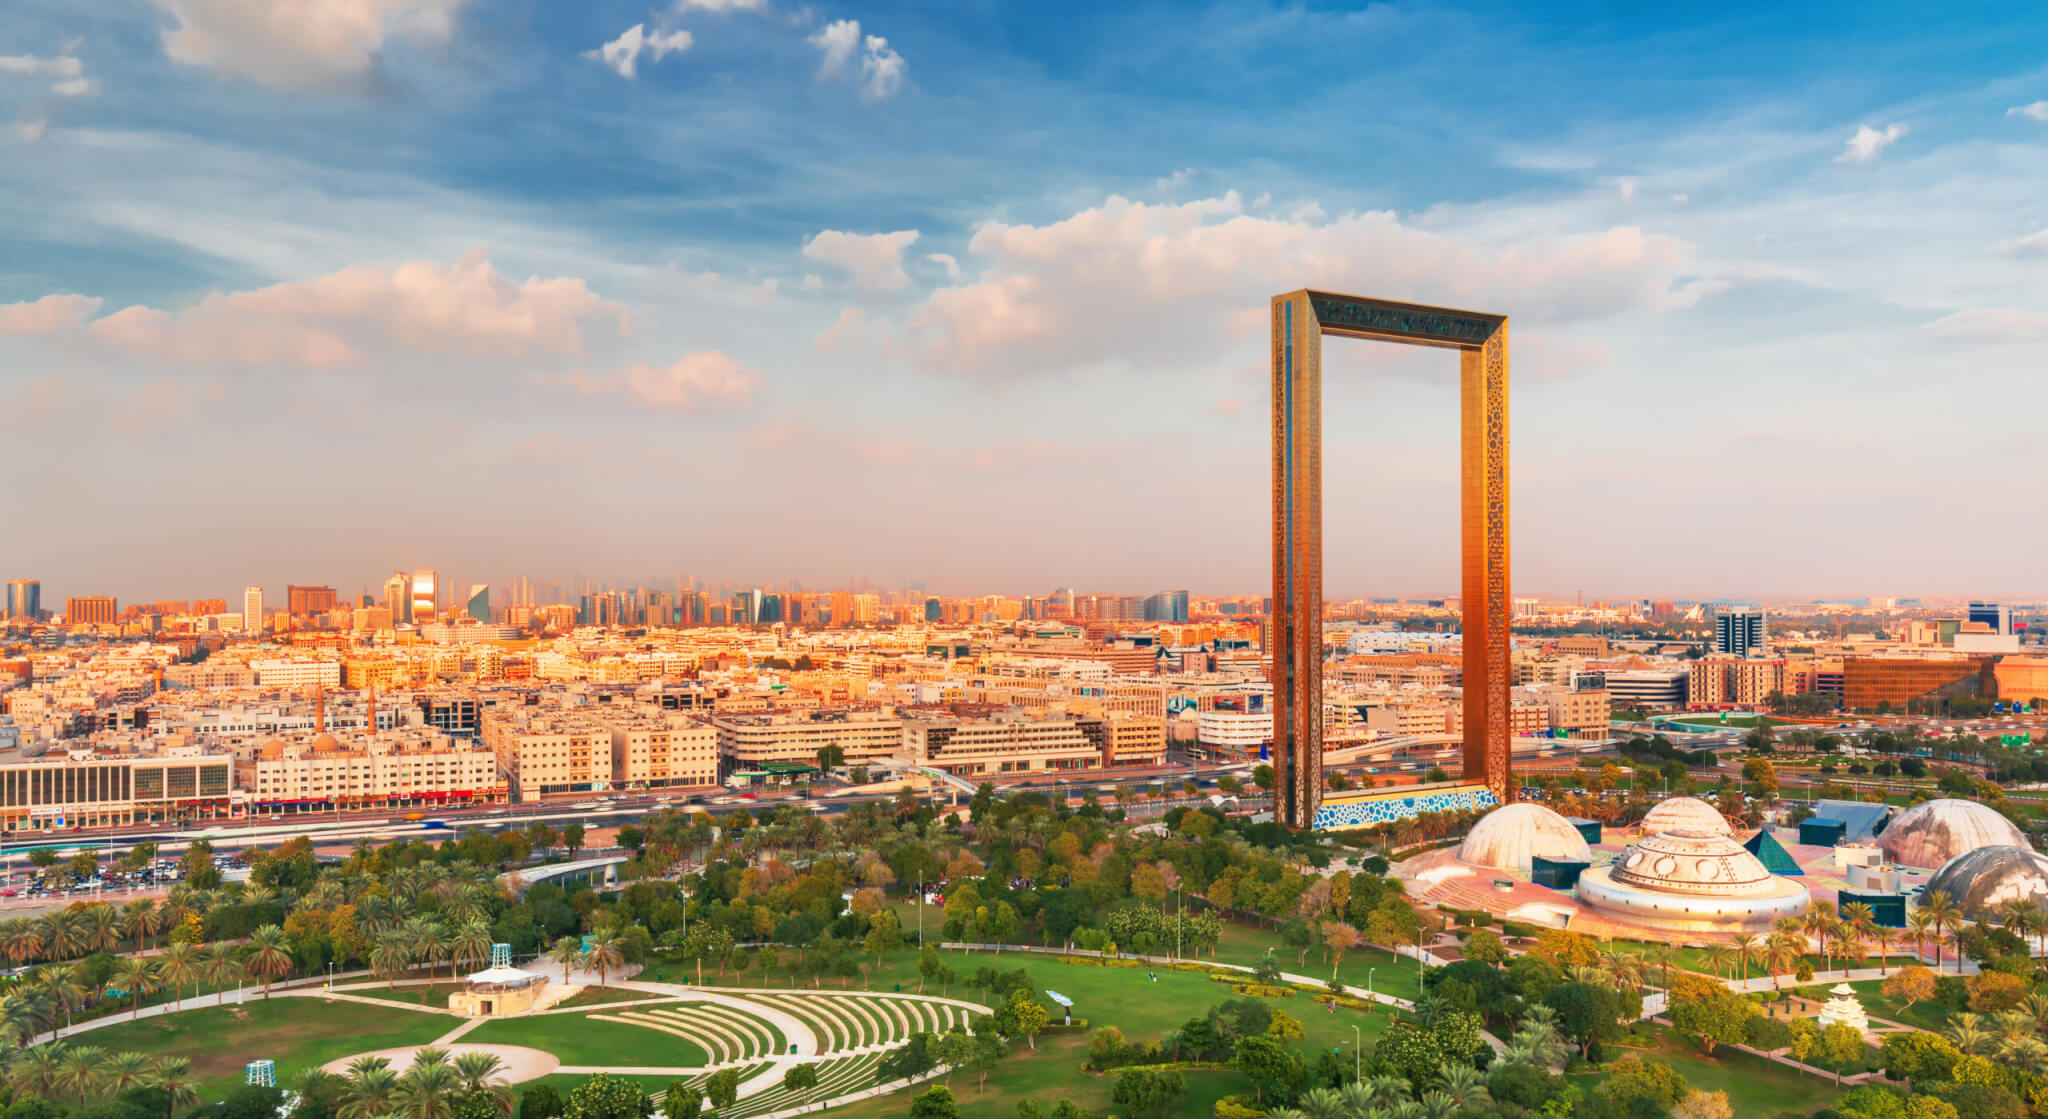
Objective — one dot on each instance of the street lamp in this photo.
(1368, 984)
(1357, 1050)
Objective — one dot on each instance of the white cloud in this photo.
(722, 5)
(945, 261)
(622, 54)
(838, 40)
(881, 71)
(307, 46)
(881, 68)
(1990, 324)
(30, 129)
(1180, 178)
(813, 284)
(873, 261)
(2036, 111)
(2032, 245)
(62, 66)
(47, 315)
(1627, 187)
(1867, 142)
(74, 87)
(707, 381)
(846, 332)
(1131, 283)
(463, 310)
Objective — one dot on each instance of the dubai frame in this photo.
(1300, 320)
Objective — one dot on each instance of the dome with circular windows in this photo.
(1692, 881)
(1685, 814)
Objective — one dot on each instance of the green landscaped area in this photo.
(1757, 1089)
(1052, 1073)
(1927, 1014)
(420, 994)
(598, 996)
(294, 1032)
(579, 1039)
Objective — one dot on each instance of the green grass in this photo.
(1390, 974)
(294, 1032)
(1926, 1014)
(567, 1082)
(1757, 1089)
(595, 996)
(1050, 1074)
(579, 1039)
(435, 994)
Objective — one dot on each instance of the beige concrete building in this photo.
(543, 752)
(1013, 742)
(82, 789)
(1581, 712)
(389, 770)
(750, 741)
(657, 751)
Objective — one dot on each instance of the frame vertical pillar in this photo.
(1297, 614)
(1487, 609)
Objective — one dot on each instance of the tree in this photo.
(1915, 1056)
(1841, 1043)
(220, 966)
(1635, 1086)
(1272, 1066)
(1262, 776)
(935, 1103)
(1761, 773)
(722, 1088)
(174, 1080)
(1704, 1105)
(269, 955)
(1585, 1014)
(572, 839)
(928, 965)
(1147, 1091)
(541, 1101)
(1024, 1015)
(606, 953)
(1486, 947)
(566, 951)
(604, 1096)
(681, 1101)
(137, 976)
(1709, 1011)
(799, 1079)
(987, 1051)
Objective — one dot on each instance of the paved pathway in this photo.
(1289, 977)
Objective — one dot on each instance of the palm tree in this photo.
(1437, 1105)
(40, 1070)
(65, 987)
(1322, 1103)
(270, 955)
(2036, 1004)
(483, 1073)
(1946, 918)
(1387, 1090)
(1782, 953)
(221, 966)
(81, 1072)
(177, 966)
(605, 954)
(1967, 1031)
(137, 976)
(173, 1077)
(371, 1091)
(470, 947)
(21, 1016)
(391, 956)
(102, 932)
(429, 942)
(123, 1071)
(1746, 948)
(1718, 956)
(19, 940)
(428, 1089)
(1920, 923)
(1885, 938)
(142, 919)
(1465, 1084)
(60, 935)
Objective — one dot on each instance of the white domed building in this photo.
(1512, 836)
(1982, 880)
(1929, 835)
(1689, 881)
(1685, 814)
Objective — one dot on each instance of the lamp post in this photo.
(1357, 1051)
(1368, 984)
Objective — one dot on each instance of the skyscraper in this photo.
(479, 605)
(302, 601)
(252, 609)
(24, 598)
(423, 595)
(1995, 615)
(1738, 631)
(398, 597)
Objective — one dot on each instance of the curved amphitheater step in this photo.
(836, 1077)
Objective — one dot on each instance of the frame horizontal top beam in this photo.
(1413, 323)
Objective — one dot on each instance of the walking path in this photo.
(1289, 977)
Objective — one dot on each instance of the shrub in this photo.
(1237, 1107)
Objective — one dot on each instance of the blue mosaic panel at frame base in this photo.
(1379, 810)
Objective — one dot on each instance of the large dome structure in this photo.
(1685, 814)
(1982, 880)
(1692, 881)
(1512, 836)
(1929, 835)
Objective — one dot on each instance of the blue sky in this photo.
(972, 294)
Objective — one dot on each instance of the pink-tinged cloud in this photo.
(1132, 283)
(464, 310)
(324, 47)
(36, 402)
(872, 261)
(845, 333)
(780, 435)
(707, 381)
(47, 315)
(1990, 324)
(893, 452)
(1229, 406)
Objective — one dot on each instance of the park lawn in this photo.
(594, 996)
(1927, 1014)
(1389, 974)
(580, 1039)
(434, 994)
(1757, 1089)
(1050, 1074)
(567, 1082)
(294, 1032)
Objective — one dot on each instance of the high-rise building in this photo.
(424, 592)
(24, 599)
(91, 610)
(1167, 606)
(1738, 632)
(252, 609)
(398, 597)
(1992, 614)
(479, 604)
(302, 601)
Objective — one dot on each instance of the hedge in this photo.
(1237, 1107)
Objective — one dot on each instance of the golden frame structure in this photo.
(1300, 320)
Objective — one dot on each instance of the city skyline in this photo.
(503, 288)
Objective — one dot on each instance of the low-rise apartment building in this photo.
(83, 789)
(794, 738)
(654, 750)
(390, 770)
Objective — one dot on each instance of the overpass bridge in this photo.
(596, 871)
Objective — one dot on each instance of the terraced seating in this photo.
(746, 1072)
(836, 1077)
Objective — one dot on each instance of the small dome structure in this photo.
(1512, 836)
(1929, 835)
(1693, 881)
(1982, 880)
(1685, 814)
